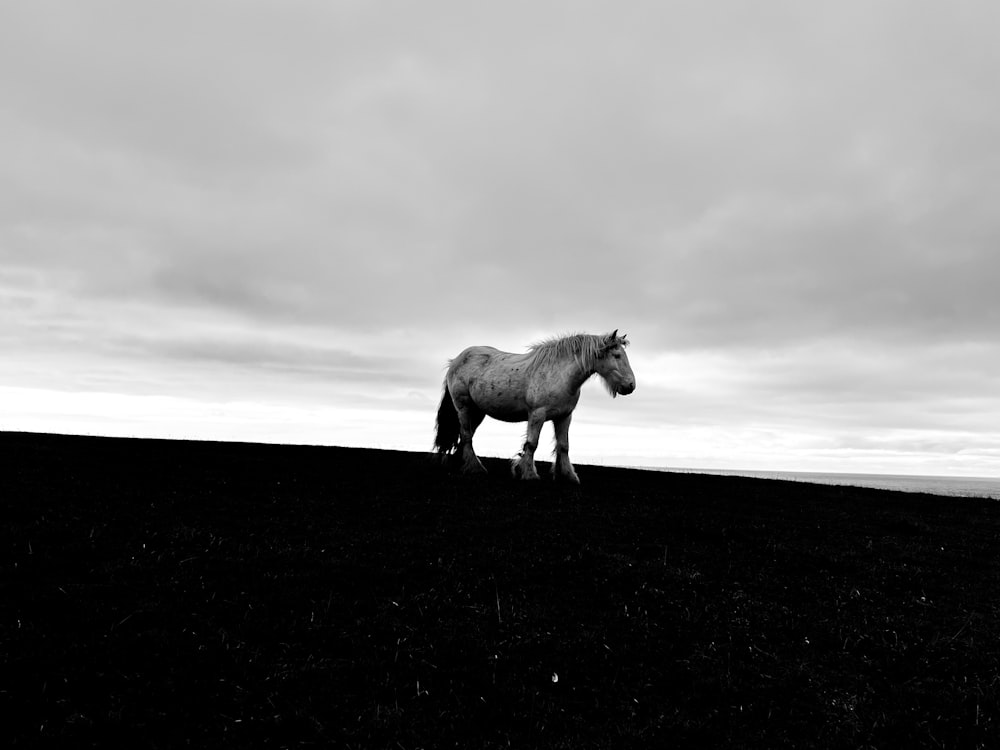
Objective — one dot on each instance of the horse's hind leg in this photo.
(562, 467)
(469, 419)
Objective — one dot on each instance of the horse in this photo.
(540, 385)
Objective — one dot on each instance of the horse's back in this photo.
(483, 357)
(473, 356)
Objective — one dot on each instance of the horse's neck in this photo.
(568, 365)
(578, 374)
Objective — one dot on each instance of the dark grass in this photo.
(157, 594)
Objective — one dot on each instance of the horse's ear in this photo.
(612, 337)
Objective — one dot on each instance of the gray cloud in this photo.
(802, 194)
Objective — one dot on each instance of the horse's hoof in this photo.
(518, 472)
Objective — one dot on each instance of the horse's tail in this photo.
(446, 436)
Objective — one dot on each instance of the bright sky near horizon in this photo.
(275, 220)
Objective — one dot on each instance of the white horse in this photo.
(540, 385)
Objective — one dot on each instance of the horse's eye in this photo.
(618, 356)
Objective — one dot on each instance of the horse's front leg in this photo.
(562, 467)
(524, 464)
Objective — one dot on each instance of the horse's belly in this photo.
(508, 415)
(500, 404)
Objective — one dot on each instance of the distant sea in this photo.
(948, 486)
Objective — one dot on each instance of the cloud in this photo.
(485, 157)
(790, 205)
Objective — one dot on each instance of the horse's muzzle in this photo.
(626, 388)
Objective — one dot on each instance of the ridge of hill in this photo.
(227, 594)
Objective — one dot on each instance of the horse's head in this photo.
(613, 366)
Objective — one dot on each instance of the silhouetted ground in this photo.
(157, 594)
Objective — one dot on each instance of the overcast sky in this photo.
(277, 221)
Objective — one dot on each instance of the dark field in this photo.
(158, 594)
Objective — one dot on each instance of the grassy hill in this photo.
(155, 593)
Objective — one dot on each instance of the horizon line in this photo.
(749, 473)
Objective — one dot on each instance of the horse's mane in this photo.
(582, 347)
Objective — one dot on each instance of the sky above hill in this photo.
(277, 220)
